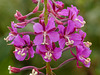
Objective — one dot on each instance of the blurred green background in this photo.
(89, 9)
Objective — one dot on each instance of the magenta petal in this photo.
(13, 27)
(31, 52)
(83, 34)
(87, 52)
(87, 65)
(57, 53)
(51, 24)
(41, 48)
(70, 27)
(26, 38)
(19, 57)
(18, 41)
(38, 39)
(75, 36)
(11, 37)
(61, 29)
(38, 28)
(62, 43)
(63, 12)
(54, 36)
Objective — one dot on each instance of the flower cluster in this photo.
(63, 26)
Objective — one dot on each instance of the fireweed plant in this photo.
(55, 24)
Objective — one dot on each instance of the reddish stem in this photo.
(66, 61)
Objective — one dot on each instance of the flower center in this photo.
(80, 22)
(70, 42)
(34, 72)
(21, 51)
(48, 55)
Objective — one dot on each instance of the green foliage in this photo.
(89, 9)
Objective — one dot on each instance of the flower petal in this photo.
(62, 43)
(18, 41)
(27, 39)
(70, 27)
(61, 29)
(75, 36)
(57, 53)
(19, 57)
(38, 39)
(38, 28)
(54, 36)
(51, 24)
(31, 52)
(41, 48)
(63, 12)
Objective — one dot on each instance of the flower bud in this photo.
(58, 22)
(35, 1)
(60, 6)
(19, 16)
(13, 69)
(36, 9)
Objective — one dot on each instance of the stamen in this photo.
(87, 44)
(9, 68)
(7, 38)
(48, 55)
(81, 22)
(21, 52)
(87, 60)
(34, 72)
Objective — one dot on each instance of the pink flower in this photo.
(67, 35)
(48, 52)
(12, 34)
(22, 47)
(45, 33)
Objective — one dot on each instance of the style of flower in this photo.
(67, 35)
(22, 47)
(12, 34)
(45, 33)
(49, 52)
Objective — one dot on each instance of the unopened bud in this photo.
(35, 1)
(36, 9)
(58, 22)
(13, 69)
(19, 16)
(59, 4)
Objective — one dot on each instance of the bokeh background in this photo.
(89, 9)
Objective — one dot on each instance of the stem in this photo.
(67, 48)
(45, 13)
(48, 68)
(66, 61)
(31, 67)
